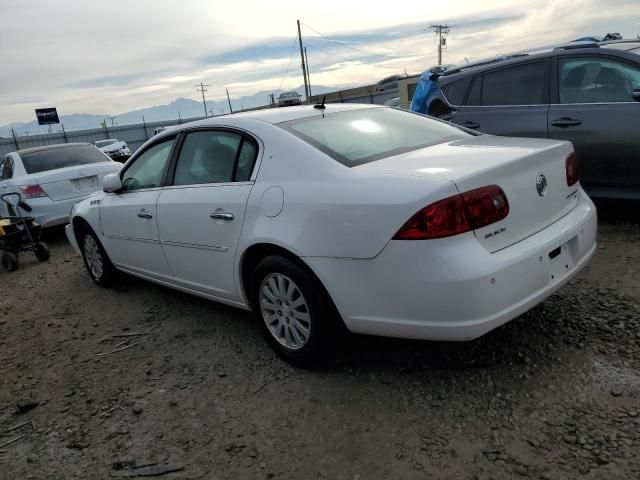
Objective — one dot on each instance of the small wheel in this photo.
(9, 261)
(95, 258)
(295, 313)
(42, 251)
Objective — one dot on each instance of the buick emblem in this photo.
(541, 184)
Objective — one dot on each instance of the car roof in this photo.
(460, 71)
(50, 147)
(272, 115)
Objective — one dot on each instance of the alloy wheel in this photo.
(93, 256)
(285, 311)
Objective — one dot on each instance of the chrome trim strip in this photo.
(592, 103)
(215, 248)
(134, 239)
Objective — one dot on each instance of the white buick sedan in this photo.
(381, 220)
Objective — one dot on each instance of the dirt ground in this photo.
(142, 379)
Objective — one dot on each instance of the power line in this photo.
(343, 44)
(315, 47)
(293, 46)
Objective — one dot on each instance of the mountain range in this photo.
(180, 108)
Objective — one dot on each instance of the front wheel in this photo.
(9, 261)
(42, 252)
(95, 258)
(295, 313)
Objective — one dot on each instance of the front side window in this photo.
(356, 137)
(211, 156)
(516, 85)
(148, 169)
(593, 80)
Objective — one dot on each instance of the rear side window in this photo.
(455, 91)
(361, 136)
(7, 169)
(55, 158)
(212, 156)
(516, 85)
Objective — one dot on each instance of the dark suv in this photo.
(588, 93)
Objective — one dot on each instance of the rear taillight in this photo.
(457, 214)
(573, 172)
(32, 191)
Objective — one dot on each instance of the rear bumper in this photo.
(453, 288)
(50, 213)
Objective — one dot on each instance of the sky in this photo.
(86, 56)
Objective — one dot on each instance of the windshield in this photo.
(52, 159)
(104, 143)
(361, 136)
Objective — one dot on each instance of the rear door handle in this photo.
(222, 216)
(469, 124)
(144, 214)
(566, 122)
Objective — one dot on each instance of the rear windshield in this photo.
(356, 137)
(104, 143)
(44, 160)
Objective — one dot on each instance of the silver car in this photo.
(286, 99)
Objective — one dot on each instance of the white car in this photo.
(52, 178)
(384, 221)
(116, 149)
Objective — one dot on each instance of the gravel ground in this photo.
(141, 380)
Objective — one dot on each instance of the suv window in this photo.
(214, 157)
(148, 169)
(594, 80)
(515, 85)
(455, 91)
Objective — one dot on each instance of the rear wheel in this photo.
(95, 258)
(42, 252)
(9, 261)
(295, 313)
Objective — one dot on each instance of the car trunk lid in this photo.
(76, 181)
(519, 166)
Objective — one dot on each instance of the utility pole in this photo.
(441, 33)
(306, 59)
(112, 119)
(304, 68)
(229, 100)
(203, 88)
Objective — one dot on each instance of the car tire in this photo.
(9, 261)
(301, 327)
(96, 260)
(42, 251)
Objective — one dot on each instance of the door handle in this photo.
(469, 124)
(566, 122)
(222, 216)
(146, 215)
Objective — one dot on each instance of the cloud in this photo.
(119, 56)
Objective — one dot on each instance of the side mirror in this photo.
(111, 183)
(636, 94)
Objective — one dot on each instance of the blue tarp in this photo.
(425, 89)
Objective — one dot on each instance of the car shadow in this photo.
(612, 211)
